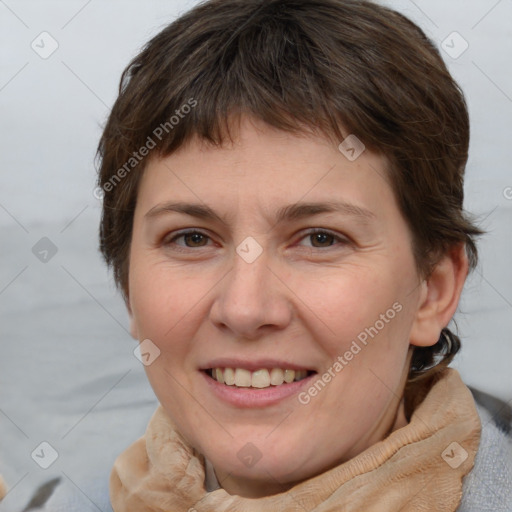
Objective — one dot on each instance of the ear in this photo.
(439, 297)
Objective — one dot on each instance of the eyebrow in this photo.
(291, 212)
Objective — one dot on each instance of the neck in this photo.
(250, 488)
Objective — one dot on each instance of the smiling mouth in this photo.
(259, 379)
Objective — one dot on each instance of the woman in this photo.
(283, 213)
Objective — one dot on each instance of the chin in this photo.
(268, 464)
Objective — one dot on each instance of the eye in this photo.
(318, 238)
(322, 239)
(191, 239)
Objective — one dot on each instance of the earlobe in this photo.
(439, 297)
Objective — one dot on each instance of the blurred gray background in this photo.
(68, 375)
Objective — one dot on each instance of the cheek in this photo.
(347, 301)
(163, 303)
(361, 316)
(166, 307)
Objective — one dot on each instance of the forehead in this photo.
(267, 168)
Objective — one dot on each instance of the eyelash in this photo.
(172, 241)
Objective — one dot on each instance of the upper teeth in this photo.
(262, 378)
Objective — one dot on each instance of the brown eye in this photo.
(189, 239)
(322, 239)
(194, 239)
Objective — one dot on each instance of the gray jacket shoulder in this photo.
(488, 487)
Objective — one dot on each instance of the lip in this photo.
(248, 398)
(253, 365)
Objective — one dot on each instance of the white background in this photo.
(67, 373)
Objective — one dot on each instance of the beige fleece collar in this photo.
(416, 468)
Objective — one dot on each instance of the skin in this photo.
(304, 299)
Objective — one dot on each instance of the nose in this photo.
(252, 300)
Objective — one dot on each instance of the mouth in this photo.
(262, 378)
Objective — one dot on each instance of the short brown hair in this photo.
(324, 65)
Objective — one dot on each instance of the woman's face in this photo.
(272, 255)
